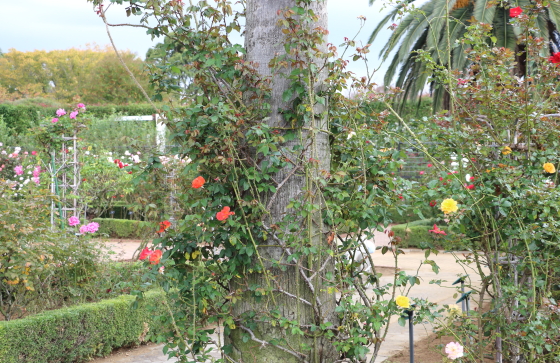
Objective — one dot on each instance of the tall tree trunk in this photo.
(297, 293)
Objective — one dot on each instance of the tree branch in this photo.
(265, 343)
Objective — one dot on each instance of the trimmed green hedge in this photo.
(76, 334)
(20, 118)
(409, 215)
(125, 228)
(416, 235)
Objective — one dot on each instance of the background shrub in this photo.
(125, 228)
(416, 235)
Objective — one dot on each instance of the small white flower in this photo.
(127, 153)
(87, 152)
(351, 134)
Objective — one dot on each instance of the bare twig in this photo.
(102, 14)
(269, 205)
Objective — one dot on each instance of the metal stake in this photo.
(411, 333)
(464, 306)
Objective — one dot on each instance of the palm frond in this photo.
(389, 17)
(410, 27)
(502, 29)
(554, 13)
(484, 10)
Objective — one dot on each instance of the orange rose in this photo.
(224, 214)
(155, 257)
(163, 226)
(198, 182)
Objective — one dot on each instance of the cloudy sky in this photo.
(27, 25)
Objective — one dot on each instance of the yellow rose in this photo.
(549, 168)
(454, 309)
(506, 150)
(403, 301)
(449, 206)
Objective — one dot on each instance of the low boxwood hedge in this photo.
(76, 334)
(408, 214)
(416, 235)
(125, 228)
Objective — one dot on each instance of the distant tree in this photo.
(94, 75)
(108, 82)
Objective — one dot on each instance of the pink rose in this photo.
(60, 112)
(92, 227)
(83, 229)
(19, 170)
(73, 114)
(454, 350)
(73, 221)
(35, 179)
(54, 120)
(34, 153)
(81, 105)
(422, 172)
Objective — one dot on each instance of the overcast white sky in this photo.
(27, 25)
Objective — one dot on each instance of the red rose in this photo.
(555, 58)
(515, 12)
(436, 230)
(146, 252)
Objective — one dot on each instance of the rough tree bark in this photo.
(299, 294)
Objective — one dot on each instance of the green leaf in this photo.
(287, 95)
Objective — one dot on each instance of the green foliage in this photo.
(125, 228)
(408, 214)
(109, 135)
(79, 333)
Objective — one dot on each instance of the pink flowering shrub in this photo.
(50, 133)
(18, 167)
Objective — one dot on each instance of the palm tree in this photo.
(436, 27)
